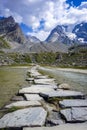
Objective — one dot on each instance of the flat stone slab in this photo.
(23, 104)
(26, 117)
(29, 79)
(75, 114)
(41, 77)
(54, 118)
(44, 81)
(62, 94)
(53, 86)
(34, 90)
(32, 97)
(61, 127)
(73, 103)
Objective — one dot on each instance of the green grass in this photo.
(11, 79)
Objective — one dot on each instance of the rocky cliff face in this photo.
(58, 34)
(11, 30)
(81, 32)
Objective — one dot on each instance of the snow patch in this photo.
(71, 36)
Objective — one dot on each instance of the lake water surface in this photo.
(77, 81)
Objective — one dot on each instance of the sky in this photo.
(39, 17)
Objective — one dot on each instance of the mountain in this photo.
(32, 39)
(58, 35)
(11, 30)
(80, 30)
(59, 40)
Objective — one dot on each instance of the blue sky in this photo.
(39, 17)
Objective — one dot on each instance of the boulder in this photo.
(75, 114)
(23, 104)
(32, 97)
(25, 117)
(62, 94)
(64, 86)
(73, 103)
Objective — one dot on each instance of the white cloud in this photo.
(40, 34)
(53, 12)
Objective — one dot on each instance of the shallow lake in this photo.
(77, 81)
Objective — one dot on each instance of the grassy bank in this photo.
(11, 79)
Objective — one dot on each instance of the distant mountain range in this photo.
(59, 40)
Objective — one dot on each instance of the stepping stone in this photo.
(74, 114)
(32, 97)
(62, 94)
(24, 104)
(41, 77)
(47, 86)
(73, 103)
(30, 79)
(25, 117)
(68, 126)
(54, 118)
(34, 90)
(64, 86)
(44, 81)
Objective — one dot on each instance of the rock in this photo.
(62, 94)
(44, 81)
(41, 77)
(26, 117)
(34, 90)
(75, 114)
(29, 79)
(73, 103)
(17, 98)
(23, 104)
(32, 97)
(64, 86)
(45, 85)
(61, 127)
(54, 118)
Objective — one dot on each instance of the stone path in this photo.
(43, 103)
